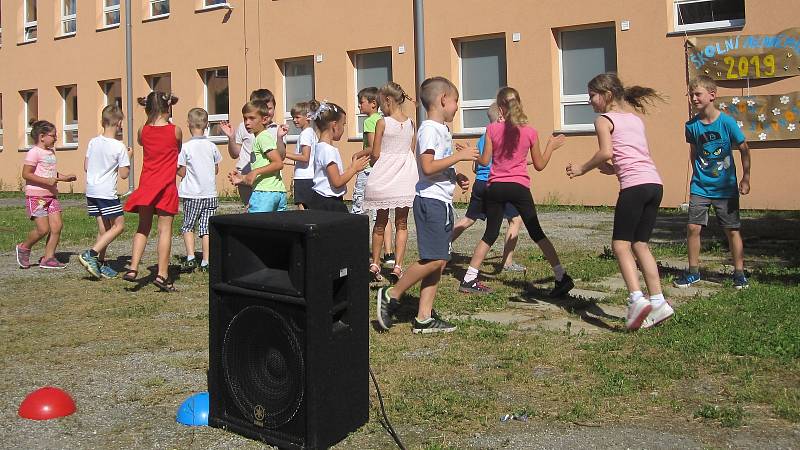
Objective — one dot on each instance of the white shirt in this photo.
(200, 157)
(104, 157)
(325, 154)
(435, 136)
(305, 170)
(245, 139)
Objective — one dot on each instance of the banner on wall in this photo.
(765, 117)
(738, 57)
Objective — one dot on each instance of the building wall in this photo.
(254, 37)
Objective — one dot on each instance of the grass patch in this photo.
(727, 416)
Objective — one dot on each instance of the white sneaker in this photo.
(637, 312)
(658, 315)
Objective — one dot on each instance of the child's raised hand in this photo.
(226, 129)
(463, 181)
(235, 178)
(574, 170)
(361, 162)
(466, 153)
(556, 142)
(67, 178)
(283, 130)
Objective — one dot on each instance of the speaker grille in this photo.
(263, 366)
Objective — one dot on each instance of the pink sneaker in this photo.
(23, 257)
(51, 263)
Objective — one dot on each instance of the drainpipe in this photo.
(129, 90)
(419, 53)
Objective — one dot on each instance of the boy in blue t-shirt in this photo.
(711, 135)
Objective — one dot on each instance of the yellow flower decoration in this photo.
(789, 116)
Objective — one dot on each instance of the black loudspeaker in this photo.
(288, 335)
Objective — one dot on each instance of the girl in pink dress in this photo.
(391, 184)
(157, 192)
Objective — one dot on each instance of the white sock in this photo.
(657, 300)
(471, 274)
(203, 263)
(190, 257)
(635, 295)
(559, 272)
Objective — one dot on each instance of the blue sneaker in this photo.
(740, 282)
(687, 280)
(107, 272)
(90, 263)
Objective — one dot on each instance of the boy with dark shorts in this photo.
(433, 208)
(106, 159)
(711, 134)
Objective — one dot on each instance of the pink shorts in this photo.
(41, 206)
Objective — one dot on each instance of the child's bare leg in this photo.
(737, 248)
(512, 237)
(41, 226)
(549, 252)
(418, 271)
(140, 237)
(164, 243)
(378, 231)
(56, 224)
(427, 292)
(481, 250)
(188, 242)
(109, 229)
(627, 264)
(387, 236)
(401, 234)
(649, 267)
(461, 226)
(693, 243)
(206, 246)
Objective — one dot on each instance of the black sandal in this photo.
(163, 284)
(130, 275)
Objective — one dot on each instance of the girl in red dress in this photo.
(157, 192)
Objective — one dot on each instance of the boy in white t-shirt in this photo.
(198, 165)
(240, 142)
(106, 160)
(433, 208)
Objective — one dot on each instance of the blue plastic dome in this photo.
(194, 410)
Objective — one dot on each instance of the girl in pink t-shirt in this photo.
(41, 177)
(622, 139)
(507, 145)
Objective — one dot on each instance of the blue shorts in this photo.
(267, 201)
(103, 207)
(434, 221)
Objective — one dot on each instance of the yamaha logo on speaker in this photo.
(259, 413)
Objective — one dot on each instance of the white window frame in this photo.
(359, 132)
(26, 98)
(287, 115)
(66, 18)
(152, 4)
(65, 127)
(213, 118)
(110, 9)
(29, 25)
(703, 26)
(473, 104)
(206, 5)
(574, 99)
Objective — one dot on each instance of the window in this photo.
(215, 87)
(110, 13)
(483, 72)
(1, 121)
(112, 92)
(373, 69)
(694, 15)
(207, 3)
(68, 17)
(159, 8)
(298, 86)
(30, 112)
(161, 82)
(29, 28)
(69, 105)
(582, 55)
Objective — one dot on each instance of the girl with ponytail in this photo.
(507, 145)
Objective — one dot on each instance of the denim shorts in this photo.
(267, 201)
(727, 210)
(434, 221)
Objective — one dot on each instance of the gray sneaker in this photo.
(432, 325)
(384, 308)
(90, 263)
(106, 271)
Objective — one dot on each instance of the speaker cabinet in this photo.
(288, 326)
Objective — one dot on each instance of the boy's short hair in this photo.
(260, 107)
(434, 87)
(370, 93)
(198, 118)
(704, 82)
(301, 109)
(111, 115)
(263, 95)
(493, 112)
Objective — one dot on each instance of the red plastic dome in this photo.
(46, 403)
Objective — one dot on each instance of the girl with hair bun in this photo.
(157, 193)
(330, 176)
(507, 146)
